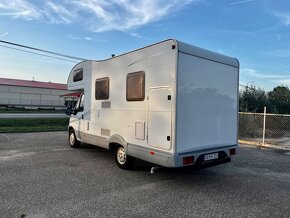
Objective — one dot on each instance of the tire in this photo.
(72, 139)
(123, 160)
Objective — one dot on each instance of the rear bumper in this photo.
(198, 156)
(201, 164)
(176, 160)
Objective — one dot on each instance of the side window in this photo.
(82, 102)
(102, 88)
(78, 75)
(135, 88)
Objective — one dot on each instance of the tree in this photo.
(279, 100)
(252, 99)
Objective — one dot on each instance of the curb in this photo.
(259, 145)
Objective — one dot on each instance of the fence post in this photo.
(264, 126)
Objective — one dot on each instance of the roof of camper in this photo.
(196, 51)
(187, 49)
(206, 54)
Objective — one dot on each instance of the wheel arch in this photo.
(70, 128)
(116, 141)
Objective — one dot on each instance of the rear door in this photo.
(207, 108)
(159, 115)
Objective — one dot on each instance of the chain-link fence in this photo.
(265, 128)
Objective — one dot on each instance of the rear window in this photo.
(102, 89)
(135, 88)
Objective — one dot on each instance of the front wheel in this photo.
(123, 160)
(72, 139)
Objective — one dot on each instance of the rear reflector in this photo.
(232, 151)
(188, 160)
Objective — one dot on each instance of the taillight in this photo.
(232, 151)
(188, 160)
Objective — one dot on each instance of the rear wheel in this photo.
(122, 159)
(72, 139)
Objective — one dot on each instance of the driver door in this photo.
(79, 118)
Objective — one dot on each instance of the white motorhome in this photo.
(170, 103)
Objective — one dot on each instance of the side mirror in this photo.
(68, 111)
(75, 111)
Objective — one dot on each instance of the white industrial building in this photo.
(35, 94)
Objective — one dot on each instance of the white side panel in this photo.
(86, 66)
(159, 118)
(207, 104)
(159, 64)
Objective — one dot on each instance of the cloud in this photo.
(79, 38)
(88, 38)
(280, 53)
(137, 35)
(3, 34)
(284, 82)
(257, 75)
(241, 2)
(127, 14)
(221, 51)
(58, 13)
(19, 9)
(284, 16)
(98, 15)
(265, 80)
(73, 37)
(234, 32)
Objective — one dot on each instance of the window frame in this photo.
(142, 73)
(107, 90)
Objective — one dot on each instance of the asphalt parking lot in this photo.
(41, 176)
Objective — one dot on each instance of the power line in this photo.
(42, 50)
(31, 52)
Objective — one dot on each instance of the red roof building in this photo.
(35, 94)
(34, 84)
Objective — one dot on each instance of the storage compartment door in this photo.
(159, 118)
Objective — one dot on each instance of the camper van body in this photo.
(170, 103)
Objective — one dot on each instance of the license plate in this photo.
(211, 156)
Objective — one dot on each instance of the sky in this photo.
(257, 32)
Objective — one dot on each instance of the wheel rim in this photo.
(121, 155)
(72, 138)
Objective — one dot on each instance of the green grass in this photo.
(33, 124)
(22, 110)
